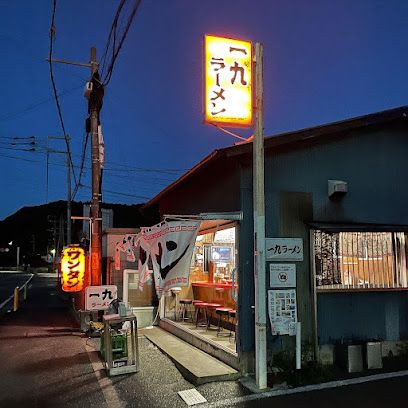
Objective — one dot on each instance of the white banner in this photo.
(169, 245)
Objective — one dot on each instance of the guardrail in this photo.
(15, 297)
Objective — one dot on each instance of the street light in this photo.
(17, 255)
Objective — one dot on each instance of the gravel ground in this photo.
(158, 381)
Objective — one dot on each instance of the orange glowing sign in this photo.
(228, 82)
(73, 269)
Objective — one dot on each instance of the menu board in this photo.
(282, 311)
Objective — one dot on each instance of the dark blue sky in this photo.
(324, 61)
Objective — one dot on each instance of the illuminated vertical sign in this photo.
(73, 269)
(228, 82)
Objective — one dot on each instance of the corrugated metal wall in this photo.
(362, 316)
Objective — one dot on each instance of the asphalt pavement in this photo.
(383, 393)
(46, 362)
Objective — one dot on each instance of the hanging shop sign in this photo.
(100, 297)
(228, 82)
(282, 275)
(72, 269)
(284, 249)
(282, 311)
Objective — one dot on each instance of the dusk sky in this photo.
(324, 61)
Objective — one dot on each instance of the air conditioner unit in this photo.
(336, 188)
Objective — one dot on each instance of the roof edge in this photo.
(292, 137)
(186, 175)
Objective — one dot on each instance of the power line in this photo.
(109, 192)
(24, 138)
(31, 149)
(81, 170)
(112, 31)
(115, 52)
(14, 115)
(130, 172)
(121, 194)
(52, 35)
(20, 158)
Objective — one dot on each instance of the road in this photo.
(376, 394)
(8, 281)
(43, 359)
(46, 362)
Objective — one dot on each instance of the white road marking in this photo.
(111, 396)
(12, 296)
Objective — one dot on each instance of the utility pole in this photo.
(96, 93)
(95, 105)
(69, 194)
(259, 226)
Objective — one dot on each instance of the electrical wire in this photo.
(112, 32)
(24, 138)
(121, 194)
(20, 158)
(115, 51)
(53, 164)
(81, 169)
(14, 115)
(31, 149)
(231, 133)
(52, 35)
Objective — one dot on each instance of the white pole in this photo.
(259, 226)
(298, 346)
(18, 256)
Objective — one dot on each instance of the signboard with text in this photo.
(284, 249)
(100, 297)
(228, 82)
(282, 275)
(72, 269)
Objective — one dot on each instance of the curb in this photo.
(308, 388)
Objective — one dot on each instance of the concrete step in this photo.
(196, 366)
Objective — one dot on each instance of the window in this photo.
(360, 260)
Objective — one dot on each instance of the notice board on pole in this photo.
(282, 311)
